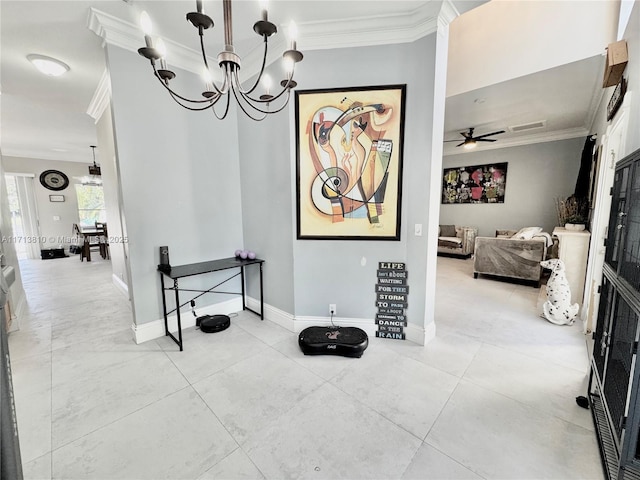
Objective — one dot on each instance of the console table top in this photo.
(179, 271)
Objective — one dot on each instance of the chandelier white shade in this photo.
(217, 95)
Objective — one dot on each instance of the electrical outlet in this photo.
(332, 309)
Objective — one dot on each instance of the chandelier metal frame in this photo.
(256, 108)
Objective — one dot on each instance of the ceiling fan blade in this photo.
(460, 144)
(485, 139)
(452, 140)
(489, 134)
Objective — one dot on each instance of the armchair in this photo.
(456, 240)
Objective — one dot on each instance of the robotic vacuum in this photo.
(213, 323)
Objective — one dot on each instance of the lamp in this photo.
(256, 108)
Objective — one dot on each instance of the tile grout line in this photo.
(528, 405)
(456, 461)
(375, 411)
(272, 421)
(118, 419)
(448, 398)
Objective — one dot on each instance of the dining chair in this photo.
(103, 240)
(87, 244)
(82, 241)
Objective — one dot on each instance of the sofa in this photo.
(511, 254)
(456, 241)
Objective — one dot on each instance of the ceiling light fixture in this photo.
(256, 108)
(47, 65)
(469, 144)
(94, 169)
(94, 178)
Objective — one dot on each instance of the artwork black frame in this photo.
(474, 184)
(369, 167)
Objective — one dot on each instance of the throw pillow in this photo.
(527, 233)
(448, 230)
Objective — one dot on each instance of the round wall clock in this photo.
(54, 180)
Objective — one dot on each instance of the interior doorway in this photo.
(24, 215)
(613, 148)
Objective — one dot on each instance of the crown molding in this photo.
(346, 33)
(72, 156)
(123, 34)
(594, 105)
(368, 31)
(448, 12)
(101, 97)
(524, 140)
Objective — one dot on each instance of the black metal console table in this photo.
(177, 272)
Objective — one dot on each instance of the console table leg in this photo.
(261, 296)
(164, 305)
(244, 300)
(175, 284)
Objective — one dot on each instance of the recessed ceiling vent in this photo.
(528, 126)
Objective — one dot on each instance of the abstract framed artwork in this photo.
(349, 144)
(475, 184)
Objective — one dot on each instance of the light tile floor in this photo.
(492, 396)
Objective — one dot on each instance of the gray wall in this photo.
(67, 210)
(179, 177)
(537, 174)
(111, 183)
(267, 207)
(307, 285)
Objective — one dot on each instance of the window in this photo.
(90, 204)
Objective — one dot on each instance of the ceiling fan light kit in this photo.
(256, 108)
(470, 141)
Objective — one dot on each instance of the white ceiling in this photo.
(564, 98)
(43, 117)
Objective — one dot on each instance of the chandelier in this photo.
(255, 107)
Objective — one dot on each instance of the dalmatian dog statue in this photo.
(558, 309)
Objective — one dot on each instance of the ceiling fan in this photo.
(470, 141)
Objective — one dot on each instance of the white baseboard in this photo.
(18, 309)
(122, 287)
(21, 306)
(416, 334)
(366, 324)
(273, 314)
(155, 329)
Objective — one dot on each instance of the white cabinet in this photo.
(574, 251)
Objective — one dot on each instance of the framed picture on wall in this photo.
(475, 184)
(349, 144)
